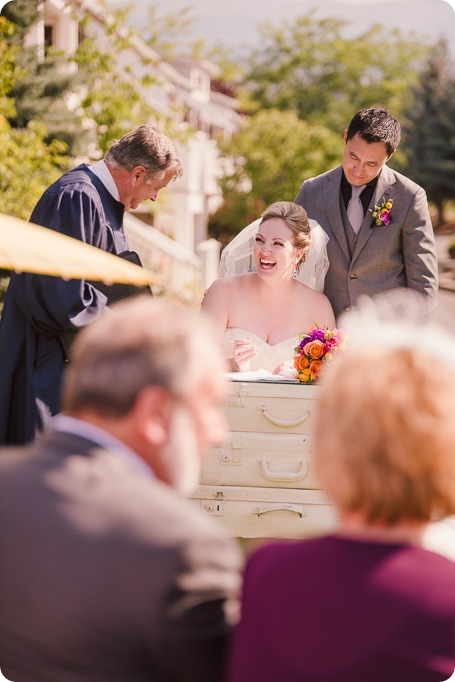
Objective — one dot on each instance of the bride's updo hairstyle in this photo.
(296, 219)
(307, 234)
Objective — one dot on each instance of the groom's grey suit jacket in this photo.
(401, 254)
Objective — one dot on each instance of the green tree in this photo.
(8, 68)
(117, 98)
(267, 161)
(22, 14)
(28, 163)
(429, 130)
(112, 104)
(308, 66)
(306, 80)
(44, 81)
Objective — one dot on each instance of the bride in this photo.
(269, 290)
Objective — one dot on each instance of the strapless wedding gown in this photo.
(269, 357)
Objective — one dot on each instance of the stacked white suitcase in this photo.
(260, 482)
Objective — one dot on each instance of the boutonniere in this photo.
(382, 213)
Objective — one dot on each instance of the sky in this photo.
(236, 22)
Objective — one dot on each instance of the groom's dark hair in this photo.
(376, 124)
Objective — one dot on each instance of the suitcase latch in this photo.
(212, 507)
(228, 457)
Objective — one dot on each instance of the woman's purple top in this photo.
(340, 610)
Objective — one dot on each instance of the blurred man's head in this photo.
(150, 373)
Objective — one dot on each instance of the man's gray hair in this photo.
(138, 343)
(145, 146)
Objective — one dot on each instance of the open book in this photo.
(260, 375)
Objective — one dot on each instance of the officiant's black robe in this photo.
(38, 308)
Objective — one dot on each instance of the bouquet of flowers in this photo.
(315, 350)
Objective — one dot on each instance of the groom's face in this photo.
(362, 161)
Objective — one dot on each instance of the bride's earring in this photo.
(295, 272)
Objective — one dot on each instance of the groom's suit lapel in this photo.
(333, 211)
(384, 190)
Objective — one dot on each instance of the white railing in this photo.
(184, 274)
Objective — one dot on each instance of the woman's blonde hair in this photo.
(385, 434)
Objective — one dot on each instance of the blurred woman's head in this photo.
(385, 435)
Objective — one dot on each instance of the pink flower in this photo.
(386, 218)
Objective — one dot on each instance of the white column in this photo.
(209, 251)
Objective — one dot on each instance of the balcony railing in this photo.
(184, 274)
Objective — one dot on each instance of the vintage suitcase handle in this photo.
(259, 511)
(283, 475)
(282, 422)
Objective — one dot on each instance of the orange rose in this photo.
(316, 368)
(300, 362)
(315, 349)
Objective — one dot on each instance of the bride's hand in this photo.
(243, 352)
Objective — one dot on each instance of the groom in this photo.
(377, 220)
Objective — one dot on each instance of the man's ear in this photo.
(153, 409)
(345, 136)
(137, 173)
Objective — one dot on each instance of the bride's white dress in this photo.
(269, 357)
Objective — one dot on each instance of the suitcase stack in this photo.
(260, 483)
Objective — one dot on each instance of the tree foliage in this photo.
(111, 98)
(23, 14)
(45, 80)
(301, 87)
(118, 98)
(8, 68)
(429, 131)
(28, 162)
(308, 66)
(267, 161)
(111, 103)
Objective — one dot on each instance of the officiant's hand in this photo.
(243, 352)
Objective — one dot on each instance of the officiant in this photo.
(87, 203)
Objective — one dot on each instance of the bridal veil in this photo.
(237, 256)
